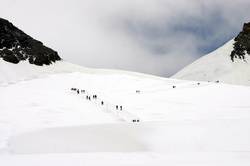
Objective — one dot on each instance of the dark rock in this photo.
(9, 56)
(242, 43)
(16, 46)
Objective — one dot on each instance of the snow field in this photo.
(207, 103)
(43, 122)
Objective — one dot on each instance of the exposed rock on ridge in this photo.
(16, 46)
(242, 43)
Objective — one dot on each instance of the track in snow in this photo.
(121, 114)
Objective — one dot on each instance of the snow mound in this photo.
(90, 138)
(23, 71)
(13, 73)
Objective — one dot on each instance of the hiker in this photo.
(78, 91)
(116, 107)
(102, 103)
(121, 108)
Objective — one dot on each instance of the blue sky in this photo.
(155, 36)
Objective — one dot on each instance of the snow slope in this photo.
(218, 66)
(43, 122)
(13, 73)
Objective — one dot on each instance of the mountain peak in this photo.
(242, 43)
(16, 46)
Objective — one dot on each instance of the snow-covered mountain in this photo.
(19, 50)
(136, 119)
(228, 64)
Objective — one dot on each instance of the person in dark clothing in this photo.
(78, 91)
(102, 103)
(116, 107)
(121, 108)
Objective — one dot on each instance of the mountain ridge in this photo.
(16, 46)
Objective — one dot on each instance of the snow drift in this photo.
(193, 136)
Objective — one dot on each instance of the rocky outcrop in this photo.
(242, 43)
(16, 46)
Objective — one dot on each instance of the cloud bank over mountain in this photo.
(157, 36)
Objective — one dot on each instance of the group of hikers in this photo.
(94, 97)
(88, 97)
